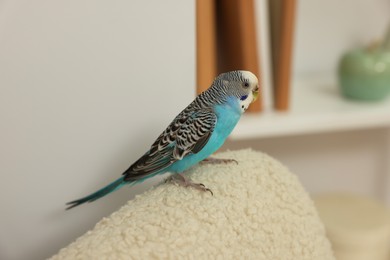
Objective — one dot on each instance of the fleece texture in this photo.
(259, 211)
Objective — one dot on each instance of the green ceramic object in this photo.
(364, 74)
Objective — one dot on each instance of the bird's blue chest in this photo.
(228, 116)
(227, 119)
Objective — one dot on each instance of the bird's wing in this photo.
(187, 134)
(194, 134)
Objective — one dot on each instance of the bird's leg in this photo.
(212, 160)
(184, 181)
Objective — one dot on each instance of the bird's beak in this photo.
(255, 94)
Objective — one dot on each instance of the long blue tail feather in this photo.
(98, 194)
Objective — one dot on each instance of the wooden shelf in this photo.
(316, 106)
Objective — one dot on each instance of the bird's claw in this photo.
(200, 186)
(231, 161)
(203, 188)
(207, 189)
(212, 160)
(186, 182)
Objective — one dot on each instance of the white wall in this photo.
(85, 87)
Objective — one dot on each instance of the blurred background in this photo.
(86, 86)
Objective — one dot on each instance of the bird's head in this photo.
(242, 84)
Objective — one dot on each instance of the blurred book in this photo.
(282, 16)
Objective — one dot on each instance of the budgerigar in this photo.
(197, 132)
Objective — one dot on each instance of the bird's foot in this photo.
(212, 160)
(184, 181)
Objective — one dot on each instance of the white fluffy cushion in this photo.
(259, 211)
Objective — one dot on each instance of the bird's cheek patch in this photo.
(244, 97)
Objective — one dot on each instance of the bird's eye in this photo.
(246, 84)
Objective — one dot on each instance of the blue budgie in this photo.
(197, 132)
